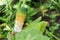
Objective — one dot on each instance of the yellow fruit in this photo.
(20, 17)
(19, 21)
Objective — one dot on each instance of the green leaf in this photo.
(30, 34)
(38, 25)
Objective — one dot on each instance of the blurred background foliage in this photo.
(38, 13)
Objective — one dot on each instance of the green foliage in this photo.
(38, 25)
(33, 9)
